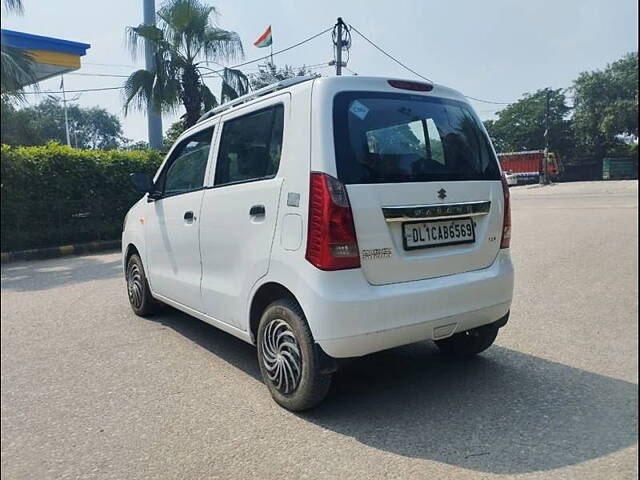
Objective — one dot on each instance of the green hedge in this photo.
(55, 195)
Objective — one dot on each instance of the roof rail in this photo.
(258, 93)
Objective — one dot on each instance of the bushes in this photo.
(54, 194)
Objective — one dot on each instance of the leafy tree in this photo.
(269, 73)
(521, 125)
(92, 128)
(17, 66)
(606, 107)
(173, 133)
(390, 139)
(136, 145)
(184, 40)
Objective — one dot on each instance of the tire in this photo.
(469, 343)
(289, 360)
(140, 298)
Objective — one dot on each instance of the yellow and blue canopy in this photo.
(53, 56)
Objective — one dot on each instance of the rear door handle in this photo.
(257, 210)
(188, 216)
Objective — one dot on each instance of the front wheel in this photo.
(138, 291)
(289, 360)
(469, 343)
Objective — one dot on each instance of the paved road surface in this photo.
(91, 391)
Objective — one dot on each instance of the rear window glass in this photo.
(390, 138)
(250, 147)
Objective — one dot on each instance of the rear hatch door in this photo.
(423, 182)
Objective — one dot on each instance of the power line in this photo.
(389, 55)
(118, 65)
(274, 53)
(74, 91)
(314, 66)
(416, 73)
(487, 101)
(109, 75)
(98, 75)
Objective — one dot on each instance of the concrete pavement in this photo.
(91, 391)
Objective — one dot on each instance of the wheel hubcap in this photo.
(135, 285)
(281, 356)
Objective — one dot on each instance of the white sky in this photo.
(495, 50)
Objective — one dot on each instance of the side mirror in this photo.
(142, 182)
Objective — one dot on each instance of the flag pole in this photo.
(271, 47)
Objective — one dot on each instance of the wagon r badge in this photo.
(442, 194)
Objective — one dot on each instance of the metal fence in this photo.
(589, 168)
(44, 223)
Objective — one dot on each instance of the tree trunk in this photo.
(191, 95)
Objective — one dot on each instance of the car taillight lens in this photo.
(506, 224)
(415, 86)
(331, 240)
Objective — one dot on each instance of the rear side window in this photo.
(250, 147)
(186, 168)
(392, 138)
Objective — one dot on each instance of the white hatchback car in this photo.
(323, 218)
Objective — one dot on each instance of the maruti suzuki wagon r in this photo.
(323, 218)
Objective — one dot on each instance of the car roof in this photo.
(330, 84)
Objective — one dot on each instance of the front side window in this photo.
(187, 165)
(393, 138)
(250, 147)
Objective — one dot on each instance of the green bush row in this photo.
(54, 194)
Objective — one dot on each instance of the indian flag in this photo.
(265, 39)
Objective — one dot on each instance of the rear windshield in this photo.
(391, 138)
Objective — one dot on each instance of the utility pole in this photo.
(154, 120)
(338, 44)
(64, 104)
(544, 177)
(339, 49)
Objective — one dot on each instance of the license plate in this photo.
(437, 233)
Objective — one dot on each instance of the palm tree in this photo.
(17, 66)
(13, 6)
(185, 40)
(17, 71)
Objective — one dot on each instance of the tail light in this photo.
(331, 240)
(506, 224)
(415, 86)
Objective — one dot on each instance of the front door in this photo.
(173, 246)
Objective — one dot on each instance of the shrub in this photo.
(54, 194)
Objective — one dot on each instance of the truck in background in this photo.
(525, 167)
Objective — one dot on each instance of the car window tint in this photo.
(188, 164)
(393, 138)
(250, 147)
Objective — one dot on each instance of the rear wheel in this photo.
(290, 362)
(140, 298)
(469, 343)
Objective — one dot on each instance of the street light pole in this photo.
(64, 104)
(154, 120)
(545, 180)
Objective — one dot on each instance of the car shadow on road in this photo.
(503, 412)
(36, 275)
(223, 345)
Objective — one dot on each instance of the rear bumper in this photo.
(351, 318)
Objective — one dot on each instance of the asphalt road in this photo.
(91, 391)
